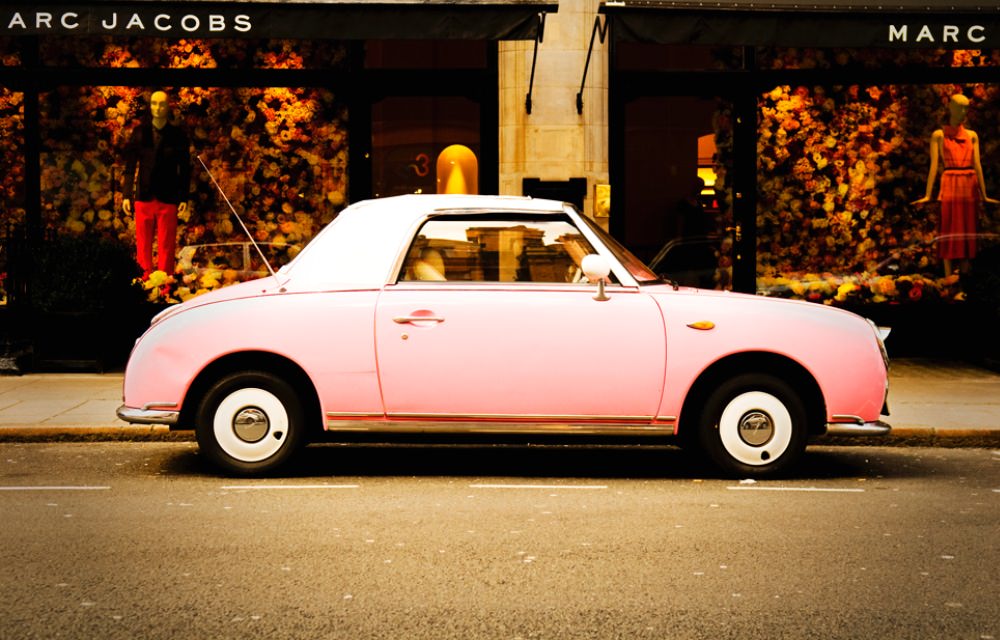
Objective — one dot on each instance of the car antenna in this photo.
(240, 220)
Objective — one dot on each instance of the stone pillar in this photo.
(554, 142)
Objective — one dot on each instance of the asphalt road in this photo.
(140, 540)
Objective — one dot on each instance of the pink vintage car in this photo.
(458, 315)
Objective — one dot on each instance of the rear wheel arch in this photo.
(263, 361)
(782, 367)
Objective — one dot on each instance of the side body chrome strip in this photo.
(499, 424)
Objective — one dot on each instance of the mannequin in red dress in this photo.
(962, 185)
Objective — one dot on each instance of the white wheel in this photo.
(250, 422)
(250, 425)
(755, 428)
(753, 425)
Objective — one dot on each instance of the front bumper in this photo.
(852, 429)
(149, 414)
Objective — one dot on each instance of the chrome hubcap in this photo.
(756, 428)
(251, 424)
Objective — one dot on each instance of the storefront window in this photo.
(278, 154)
(678, 187)
(191, 53)
(840, 171)
(409, 135)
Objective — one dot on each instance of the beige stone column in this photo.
(554, 142)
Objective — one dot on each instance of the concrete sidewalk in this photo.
(928, 399)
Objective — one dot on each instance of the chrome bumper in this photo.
(878, 428)
(148, 415)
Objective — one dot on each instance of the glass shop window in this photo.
(680, 204)
(425, 144)
(875, 193)
(278, 154)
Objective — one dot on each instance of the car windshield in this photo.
(635, 266)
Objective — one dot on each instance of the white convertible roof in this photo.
(360, 248)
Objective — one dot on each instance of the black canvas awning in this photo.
(948, 24)
(300, 19)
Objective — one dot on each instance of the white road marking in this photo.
(806, 489)
(548, 487)
(267, 487)
(55, 488)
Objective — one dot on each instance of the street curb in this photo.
(922, 437)
(151, 433)
(909, 432)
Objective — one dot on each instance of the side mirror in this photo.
(597, 268)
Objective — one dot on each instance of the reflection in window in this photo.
(483, 250)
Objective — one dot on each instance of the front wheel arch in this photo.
(798, 379)
(753, 425)
(781, 367)
(256, 361)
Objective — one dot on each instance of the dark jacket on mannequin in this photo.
(159, 170)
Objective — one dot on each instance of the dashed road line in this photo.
(546, 487)
(55, 488)
(800, 489)
(300, 487)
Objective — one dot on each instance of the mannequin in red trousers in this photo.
(157, 184)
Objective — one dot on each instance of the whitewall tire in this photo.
(250, 423)
(753, 425)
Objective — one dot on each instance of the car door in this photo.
(519, 354)
(498, 339)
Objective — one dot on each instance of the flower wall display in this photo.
(837, 169)
(279, 154)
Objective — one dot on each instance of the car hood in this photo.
(253, 288)
(746, 302)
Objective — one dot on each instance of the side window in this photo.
(488, 249)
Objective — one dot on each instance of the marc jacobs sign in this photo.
(947, 34)
(150, 22)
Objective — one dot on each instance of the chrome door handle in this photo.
(408, 319)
